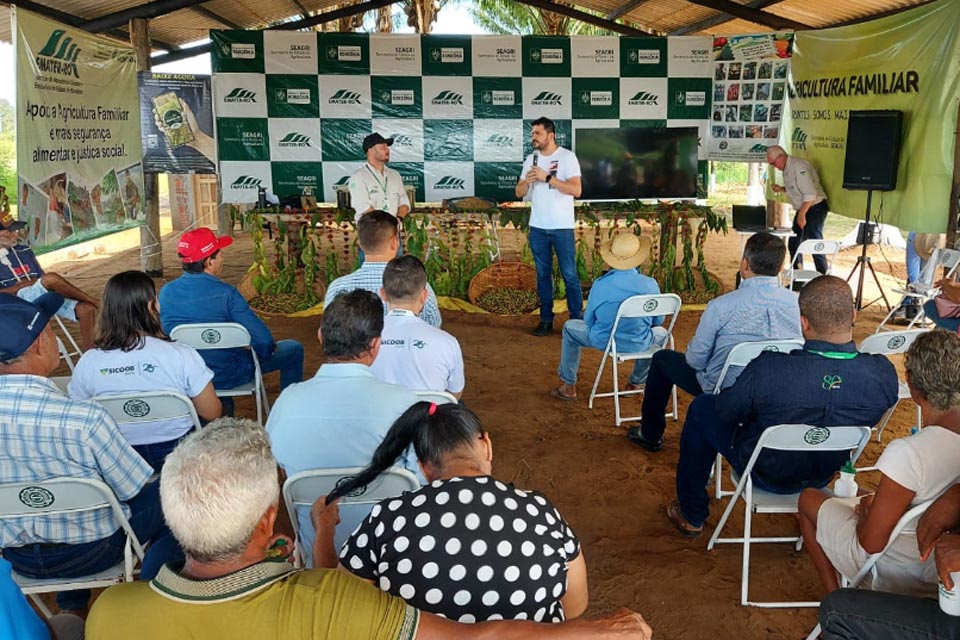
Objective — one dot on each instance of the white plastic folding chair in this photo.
(149, 406)
(227, 335)
(924, 289)
(828, 248)
(870, 566)
(740, 356)
(62, 382)
(784, 437)
(647, 306)
(67, 353)
(436, 397)
(891, 343)
(301, 490)
(73, 497)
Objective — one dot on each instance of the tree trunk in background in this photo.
(421, 14)
(151, 252)
(385, 19)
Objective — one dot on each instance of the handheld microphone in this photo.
(536, 157)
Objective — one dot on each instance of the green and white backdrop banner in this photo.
(292, 108)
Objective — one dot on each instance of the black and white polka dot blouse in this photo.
(470, 549)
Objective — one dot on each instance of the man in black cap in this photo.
(376, 186)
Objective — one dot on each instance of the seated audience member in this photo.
(624, 253)
(339, 417)
(377, 233)
(221, 498)
(134, 355)
(760, 309)
(414, 354)
(841, 533)
(825, 384)
(47, 435)
(950, 293)
(858, 614)
(200, 296)
(18, 620)
(480, 549)
(21, 275)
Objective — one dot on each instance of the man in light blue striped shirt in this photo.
(760, 309)
(377, 232)
(45, 435)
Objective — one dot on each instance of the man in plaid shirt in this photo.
(44, 435)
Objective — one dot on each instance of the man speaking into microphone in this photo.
(551, 180)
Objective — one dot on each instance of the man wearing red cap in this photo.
(199, 295)
(21, 275)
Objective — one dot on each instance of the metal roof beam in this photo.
(720, 18)
(626, 7)
(753, 15)
(882, 14)
(216, 17)
(583, 16)
(149, 10)
(304, 13)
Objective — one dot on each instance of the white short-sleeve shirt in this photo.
(549, 208)
(802, 183)
(927, 462)
(370, 189)
(159, 365)
(418, 356)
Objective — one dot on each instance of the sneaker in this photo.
(543, 329)
(635, 435)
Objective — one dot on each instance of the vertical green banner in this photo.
(344, 54)
(546, 56)
(236, 51)
(446, 55)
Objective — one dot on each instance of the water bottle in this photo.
(846, 485)
(261, 198)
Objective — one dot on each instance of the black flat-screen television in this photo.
(639, 162)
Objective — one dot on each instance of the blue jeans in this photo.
(813, 230)
(667, 368)
(543, 243)
(288, 360)
(77, 560)
(950, 324)
(575, 336)
(857, 614)
(915, 265)
(156, 452)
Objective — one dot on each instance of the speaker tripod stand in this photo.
(863, 263)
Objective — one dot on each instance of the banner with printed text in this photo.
(749, 85)
(908, 62)
(78, 133)
(291, 112)
(176, 121)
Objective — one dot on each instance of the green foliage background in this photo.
(8, 151)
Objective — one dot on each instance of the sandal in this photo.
(560, 395)
(680, 523)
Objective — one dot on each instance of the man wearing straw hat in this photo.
(623, 253)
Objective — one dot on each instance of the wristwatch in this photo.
(549, 178)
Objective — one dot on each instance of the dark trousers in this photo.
(156, 452)
(856, 614)
(77, 560)
(667, 368)
(816, 216)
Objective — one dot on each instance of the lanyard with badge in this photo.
(382, 184)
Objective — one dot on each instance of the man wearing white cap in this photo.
(623, 253)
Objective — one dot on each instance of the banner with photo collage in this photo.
(292, 108)
(749, 87)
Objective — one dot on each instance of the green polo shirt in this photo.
(266, 601)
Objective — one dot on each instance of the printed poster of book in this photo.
(749, 86)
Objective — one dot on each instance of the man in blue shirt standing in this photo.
(759, 310)
(623, 253)
(200, 296)
(828, 383)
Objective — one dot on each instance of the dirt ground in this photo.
(612, 492)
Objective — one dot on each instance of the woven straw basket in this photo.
(502, 275)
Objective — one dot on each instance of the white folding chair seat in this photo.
(227, 335)
(646, 306)
(436, 397)
(828, 248)
(301, 490)
(784, 437)
(891, 343)
(870, 566)
(924, 289)
(73, 497)
(740, 356)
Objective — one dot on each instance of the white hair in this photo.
(774, 152)
(216, 486)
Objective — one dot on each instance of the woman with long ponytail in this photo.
(466, 545)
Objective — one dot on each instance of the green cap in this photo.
(848, 467)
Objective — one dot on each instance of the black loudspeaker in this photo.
(873, 150)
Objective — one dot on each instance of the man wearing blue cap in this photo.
(47, 435)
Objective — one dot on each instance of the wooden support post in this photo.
(151, 251)
(954, 211)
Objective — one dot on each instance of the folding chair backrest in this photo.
(151, 406)
(890, 342)
(805, 437)
(212, 335)
(648, 306)
(949, 259)
(744, 353)
(436, 397)
(62, 496)
(305, 487)
(819, 247)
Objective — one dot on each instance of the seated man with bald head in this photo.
(828, 383)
